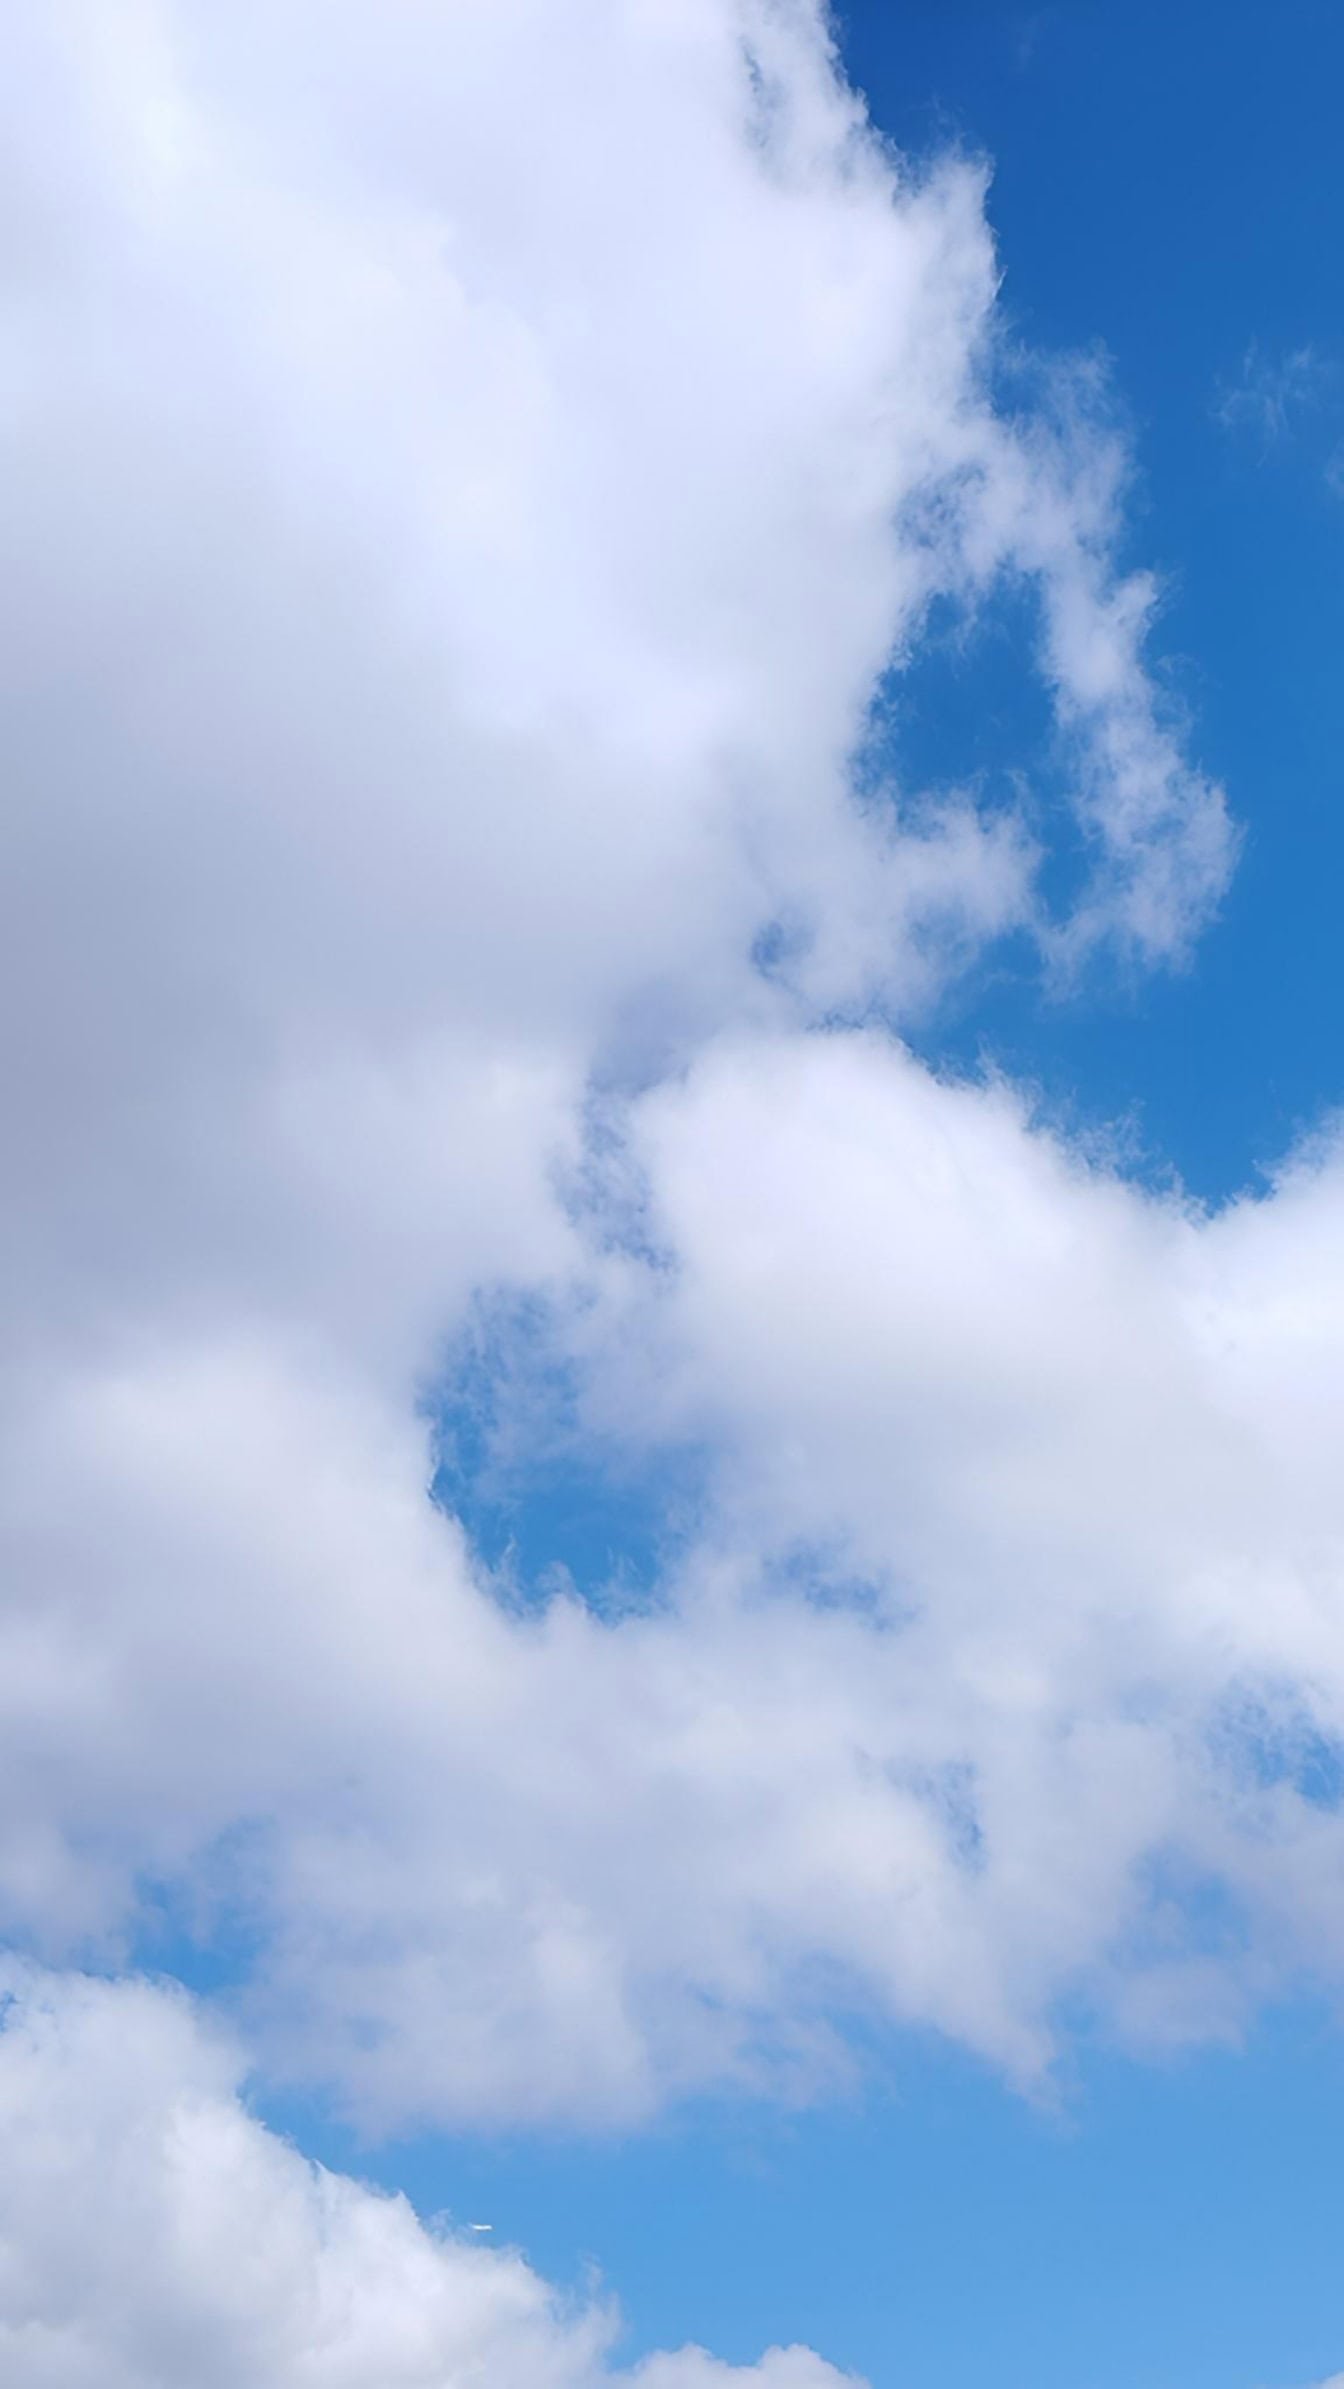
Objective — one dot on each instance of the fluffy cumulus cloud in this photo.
(1004, 1666)
(469, 467)
(472, 468)
(1062, 1452)
(153, 2232)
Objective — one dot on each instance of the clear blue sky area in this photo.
(1167, 187)
(1170, 2226)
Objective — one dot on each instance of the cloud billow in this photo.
(471, 472)
(152, 2231)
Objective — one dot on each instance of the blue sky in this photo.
(671, 1533)
(1163, 190)
(1158, 2226)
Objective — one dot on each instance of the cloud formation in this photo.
(153, 2232)
(1004, 1670)
(472, 474)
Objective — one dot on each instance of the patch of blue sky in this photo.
(1154, 2223)
(202, 1932)
(1276, 1746)
(550, 1505)
(1165, 193)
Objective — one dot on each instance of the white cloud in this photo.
(1270, 394)
(1288, 399)
(462, 502)
(469, 471)
(1057, 1456)
(152, 2232)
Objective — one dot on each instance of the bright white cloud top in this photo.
(475, 466)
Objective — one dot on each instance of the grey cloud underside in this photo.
(462, 504)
